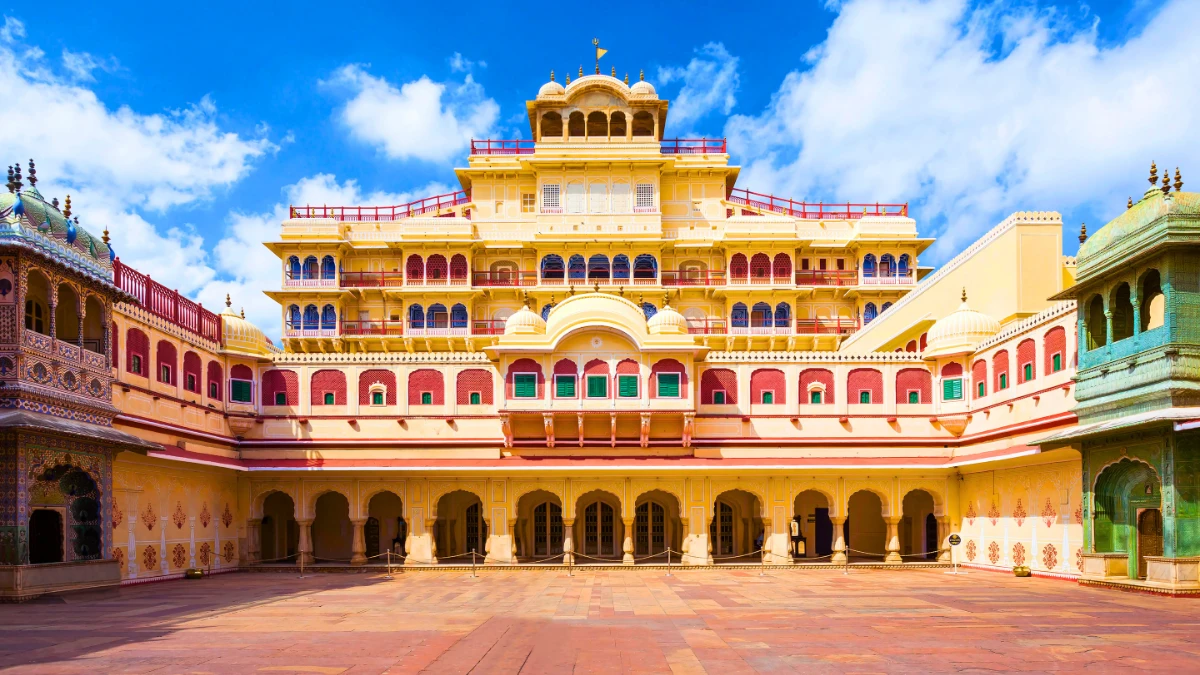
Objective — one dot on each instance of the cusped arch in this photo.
(938, 496)
(367, 492)
(884, 498)
(264, 491)
(829, 492)
(595, 491)
(310, 499)
(640, 490)
(759, 491)
(521, 488)
(439, 490)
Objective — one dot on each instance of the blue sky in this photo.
(188, 128)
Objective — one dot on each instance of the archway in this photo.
(279, 537)
(865, 529)
(47, 536)
(64, 517)
(37, 303)
(1128, 517)
(656, 524)
(460, 528)
(66, 314)
(332, 531)
(598, 530)
(93, 325)
(386, 528)
(539, 532)
(916, 524)
(811, 514)
(736, 530)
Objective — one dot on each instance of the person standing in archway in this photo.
(797, 539)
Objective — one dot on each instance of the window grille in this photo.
(552, 197)
(645, 197)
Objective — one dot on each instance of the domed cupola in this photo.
(642, 88)
(960, 332)
(525, 322)
(667, 322)
(239, 335)
(551, 88)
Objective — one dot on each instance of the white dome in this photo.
(643, 88)
(525, 322)
(960, 332)
(551, 88)
(667, 322)
(240, 335)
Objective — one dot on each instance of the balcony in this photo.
(505, 279)
(373, 328)
(488, 326)
(888, 280)
(580, 280)
(167, 304)
(382, 214)
(289, 282)
(296, 332)
(490, 147)
(826, 278)
(694, 146)
(372, 279)
(693, 277)
(452, 280)
(818, 211)
(826, 326)
(769, 327)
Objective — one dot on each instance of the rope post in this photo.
(389, 565)
(762, 571)
(473, 564)
(668, 561)
(846, 564)
(302, 565)
(570, 565)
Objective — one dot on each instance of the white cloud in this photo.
(710, 82)
(461, 64)
(422, 119)
(974, 113)
(81, 64)
(12, 30)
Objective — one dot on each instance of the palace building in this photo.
(603, 350)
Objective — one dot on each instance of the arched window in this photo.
(458, 316)
(783, 315)
(597, 197)
(760, 267)
(414, 269)
(885, 307)
(293, 267)
(781, 267)
(575, 197)
(645, 267)
(328, 268)
(546, 311)
(1026, 354)
(887, 265)
(328, 318)
(902, 268)
(458, 268)
(214, 380)
(576, 267)
(166, 361)
(576, 124)
(620, 198)
(1000, 370)
(760, 315)
(868, 265)
(616, 125)
(191, 371)
(869, 313)
(597, 124)
(552, 125)
(293, 317)
(137, 352)
(416, 316)
(435, 268)
(312, 317)
(1097, 332)
(649, 310)
(1122, 313)
(552, 266)
(598, 267)
(738, 267)
(643, 124)
(436, 317)
(1154, 303)
(739, 316)
(311, 269)
(620, 266)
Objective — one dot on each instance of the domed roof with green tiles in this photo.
(26, 215)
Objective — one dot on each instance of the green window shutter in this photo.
(426, 398)
(814, 397)
(240, 391)
(1057, 362)
(627, 386)
(329, 398)
(1028, 372)
(564, 386)
(280, 398)
(768, 397)
(982, 390)
(377, 398)
(914, 397)
(1004, 380)
(719, 397)
(864, 397)
(668, 385)
(475, 398)
(951, 390)
(525, 385)
(597, 386)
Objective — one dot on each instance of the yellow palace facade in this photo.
(599, 350)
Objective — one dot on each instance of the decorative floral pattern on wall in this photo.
(1019, 553)
(178, 556)
(1048, 513)
(118, 517)
(148, 517)
(971, 550)
(205, 516)
(1049, 557)
(1019, 513)
(1079, 514)
(971, 514)
(179, 516)
(994, 513)
(227, 517)
(994, 552)
(1079, 559)
(149, 558)
(205, 555)
(118, 554)
(228, 548)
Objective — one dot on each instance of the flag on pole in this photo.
(599, 52)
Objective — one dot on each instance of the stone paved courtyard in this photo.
(635, 621)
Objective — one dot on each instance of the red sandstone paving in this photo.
(629, 621)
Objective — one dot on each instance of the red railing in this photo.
(693, 146)
(167, 304)
(502, 278)
(820, 210)
(826, 278)
(693, 277)
(377, 214)
(372, 279)
(395, 327)
(487, 326)
(837, 326)
(708, 326)
(490, 147)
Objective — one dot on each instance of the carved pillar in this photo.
(358, 546)
(627, 547)
(1108, 331)
(568, 527)
(893, 540)
(305, 545)
(943, 525)
(839, 540)
(430, 524)
(52, 300)
(82, 311)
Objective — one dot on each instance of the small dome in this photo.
(643, 88)
(960, 332)
(667, 322)
(525, 322)
(239, 335)
(551, 88)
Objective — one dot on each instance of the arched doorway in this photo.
(918, 527)
(656, 524)
(64, 517)
(598, 529)
(460, 528)
(1128, 516)
(539, 529)
(47, 538)
(332, 531)
(386, 528)
(736, 530)
(865, 529)
(279, 537)
(811, 514)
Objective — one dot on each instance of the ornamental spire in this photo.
(1178, 181)
(32, 174)
(1082, 232)
(551, 75)
(67, 210)
(17, 177)
(964, 294)
(1166, 183)
(228, 301)
(105, 237)
(1153, 174)
(12, 187)
(1129, 204)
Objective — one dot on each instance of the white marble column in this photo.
(568, 527)
(893, 540)
(305, 546)
(627, 546)
(358, 546)
(839, 540)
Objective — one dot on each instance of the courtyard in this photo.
(634, 621)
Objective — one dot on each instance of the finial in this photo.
(76, 220)
(243, 313)
(17, 176)
(1129, 204)
(32, 174)
(571, 290)
(568, 78)
(11, 184)
(551, 299)
(67, 210)
(641, 298)
(551, 75)
(626, 78)
(964, 295)
(666, 299)
(1166, 182)
(596, 287)
(581, 70)
(1178, 181)
(641, 76)
(525, 300)
(614, 71)
(1153, 174)
(54, 202)
(1082, 232)
(228, 301)
(105, 237)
